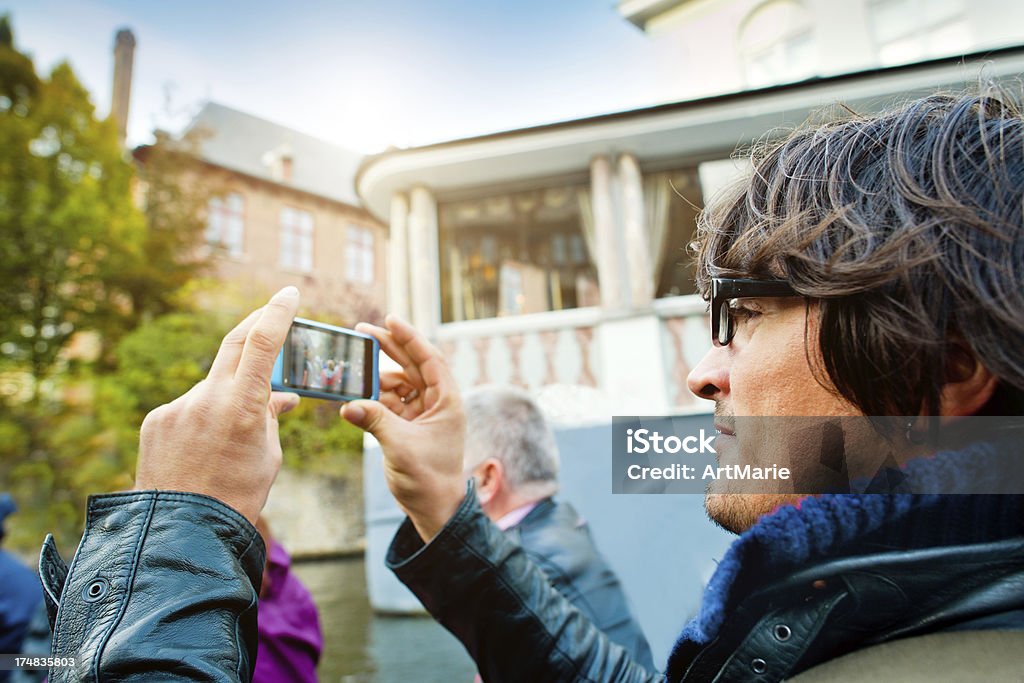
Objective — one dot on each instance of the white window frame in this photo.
(296, 240)
(225, 224)
(359, 254)
(780, 50)
(919, 35)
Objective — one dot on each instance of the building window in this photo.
(913, 30)
(777, 44)
(517, 253)
(296, 240)
(225, 224)
(359, 255)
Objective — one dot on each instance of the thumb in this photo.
(371, 416)
(281, 402)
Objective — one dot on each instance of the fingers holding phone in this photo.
(395, 352)
(220, 438)
(421, 436)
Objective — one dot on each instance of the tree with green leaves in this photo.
(67, 219)
(97, 322)
(68, 226)
(174, 205)
(80, 266)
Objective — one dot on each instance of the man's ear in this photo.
(492, 480)
(969, 384)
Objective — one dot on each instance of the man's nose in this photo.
(710, 377)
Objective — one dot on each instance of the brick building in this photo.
(286, 212)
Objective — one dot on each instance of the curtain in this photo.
(587, 222)
(657, 195)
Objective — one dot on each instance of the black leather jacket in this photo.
(557, 540)
(164, 585)
(483, 589)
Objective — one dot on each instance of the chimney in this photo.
(286, 167)
(281, 163)
(124, 57)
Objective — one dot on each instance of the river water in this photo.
(361, 647)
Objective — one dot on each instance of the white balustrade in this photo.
(582, 347)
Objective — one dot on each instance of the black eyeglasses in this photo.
(725, 289)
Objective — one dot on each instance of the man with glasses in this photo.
(870, 271)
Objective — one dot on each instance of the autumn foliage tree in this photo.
(101, 266)
(174, 206)
(80, 267)
(66, 215)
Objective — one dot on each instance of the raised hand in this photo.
(420, 426)
(220, 438)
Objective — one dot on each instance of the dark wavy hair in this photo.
(907, 228)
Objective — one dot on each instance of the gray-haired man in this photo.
(511, 453)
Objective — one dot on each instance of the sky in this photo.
(362, 74)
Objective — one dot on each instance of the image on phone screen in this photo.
(329, 362)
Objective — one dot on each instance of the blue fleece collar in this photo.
(826, 526)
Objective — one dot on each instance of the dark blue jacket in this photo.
(558, 541)
(20, 595)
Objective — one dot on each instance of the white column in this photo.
(630, 345)
(398, 257)
(605, 234)
(638, 252)
(631, 357)
(425, 270)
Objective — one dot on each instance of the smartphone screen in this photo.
(327, 362)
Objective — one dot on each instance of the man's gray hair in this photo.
(505, 423)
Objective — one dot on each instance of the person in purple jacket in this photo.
(290, 640)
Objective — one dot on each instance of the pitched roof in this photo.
(242, 142)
